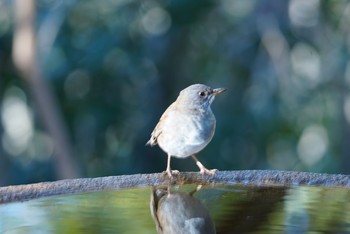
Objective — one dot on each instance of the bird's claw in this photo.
(205, 171)
(170, 173)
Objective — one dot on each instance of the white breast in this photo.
(183, 135)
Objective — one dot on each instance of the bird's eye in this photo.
(202, 94)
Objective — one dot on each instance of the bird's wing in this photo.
(158, 129)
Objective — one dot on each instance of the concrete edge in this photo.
(249, 178)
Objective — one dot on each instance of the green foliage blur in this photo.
(116, 65)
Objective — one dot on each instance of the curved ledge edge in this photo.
(246, 177)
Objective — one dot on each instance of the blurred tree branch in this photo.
(26, 61)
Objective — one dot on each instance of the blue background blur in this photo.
(114, 66)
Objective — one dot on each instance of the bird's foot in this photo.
(170, 173)
(205, 171)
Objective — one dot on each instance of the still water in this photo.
(224, 209)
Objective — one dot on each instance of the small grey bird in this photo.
(187, 126)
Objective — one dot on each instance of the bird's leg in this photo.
(202, 168)
(168, 169)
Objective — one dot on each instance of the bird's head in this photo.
(198, 96)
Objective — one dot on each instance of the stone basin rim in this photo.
(243, 177)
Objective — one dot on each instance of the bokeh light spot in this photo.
(237, 9)
(156, 21)
(306, 63)
(312, 144)
(304, 13)
(17, 120)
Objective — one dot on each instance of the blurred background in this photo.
(83, 83)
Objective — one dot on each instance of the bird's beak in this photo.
(218, 91)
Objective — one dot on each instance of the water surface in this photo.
(232, 209)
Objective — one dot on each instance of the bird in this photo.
(179, 212)
(187, 126)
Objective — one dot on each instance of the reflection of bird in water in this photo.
(175, 212)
